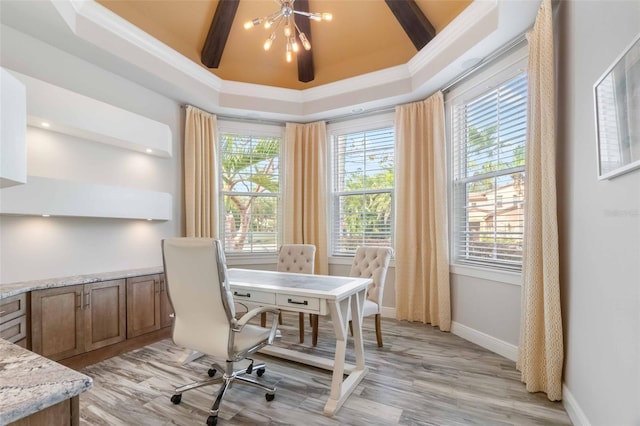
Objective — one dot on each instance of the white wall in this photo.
(37, 247)
(486, 312)
(599, 226)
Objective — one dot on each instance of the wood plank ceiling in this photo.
(364, 36)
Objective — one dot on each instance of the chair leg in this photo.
(279, 318)
(301, 326)
(314, 329)
(223, 389)
(378, 331)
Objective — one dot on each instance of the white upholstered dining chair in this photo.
(369, 262)
(299, 259)
(205, 319)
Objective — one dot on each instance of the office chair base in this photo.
(240, 376)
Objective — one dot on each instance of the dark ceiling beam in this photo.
(219, 32)
(305, 57)
(413, 21)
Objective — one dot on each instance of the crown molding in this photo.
(477, 13)
(100, 26)
(420, 76)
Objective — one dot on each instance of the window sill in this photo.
(513, 278)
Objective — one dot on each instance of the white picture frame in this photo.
(617, 111)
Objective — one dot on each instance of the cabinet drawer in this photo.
(13, 307)
(298, 302)
(242, 295)
(14, 330)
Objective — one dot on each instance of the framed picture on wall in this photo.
(617, 107)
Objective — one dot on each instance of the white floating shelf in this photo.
(78, 115)
(56, 197)
(13, 131)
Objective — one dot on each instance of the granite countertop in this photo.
(30, 383)
(12, 289)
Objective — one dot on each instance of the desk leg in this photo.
(357, 305)
(340, 316)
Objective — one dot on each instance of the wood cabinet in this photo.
(166, 310)
(67, 321)
(65, 413)
(14, 320)
(148, 306)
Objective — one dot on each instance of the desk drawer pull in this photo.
(235, 293)
(293, 302)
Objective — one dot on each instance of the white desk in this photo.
(315, 294)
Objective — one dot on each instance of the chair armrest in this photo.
(239, 324)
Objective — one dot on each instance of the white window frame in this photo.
(493, 75)
(378, 121)
(253, 129)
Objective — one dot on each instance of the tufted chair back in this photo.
(297, 258)
(372, 262)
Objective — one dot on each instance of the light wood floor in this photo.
(421, 377)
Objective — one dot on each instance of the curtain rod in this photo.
(507, 48)
(238, 118)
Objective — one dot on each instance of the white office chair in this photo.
(299, 259)
(370, 262)
(205, 320)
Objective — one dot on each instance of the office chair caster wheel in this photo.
(269, 396)
(212, 372)
(176, 399)
(260, 372)
(212, 420)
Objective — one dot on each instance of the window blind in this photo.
(489, 135)
(363, 182)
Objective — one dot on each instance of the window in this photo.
(363, 185)
(250, 190)
(488, 131)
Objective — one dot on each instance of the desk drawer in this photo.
(253, 296)
(298, 302)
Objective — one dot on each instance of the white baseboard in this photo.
(577, 416)
(498, 346)
(509, 351)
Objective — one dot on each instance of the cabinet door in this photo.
(57, 322)
(143, 305)
(104, 314)
(166, 310)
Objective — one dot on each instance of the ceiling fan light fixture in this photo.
(286, 16)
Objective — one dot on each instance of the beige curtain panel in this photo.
(200, 173)
(305, 189)
(421, 237)
(540, 355)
